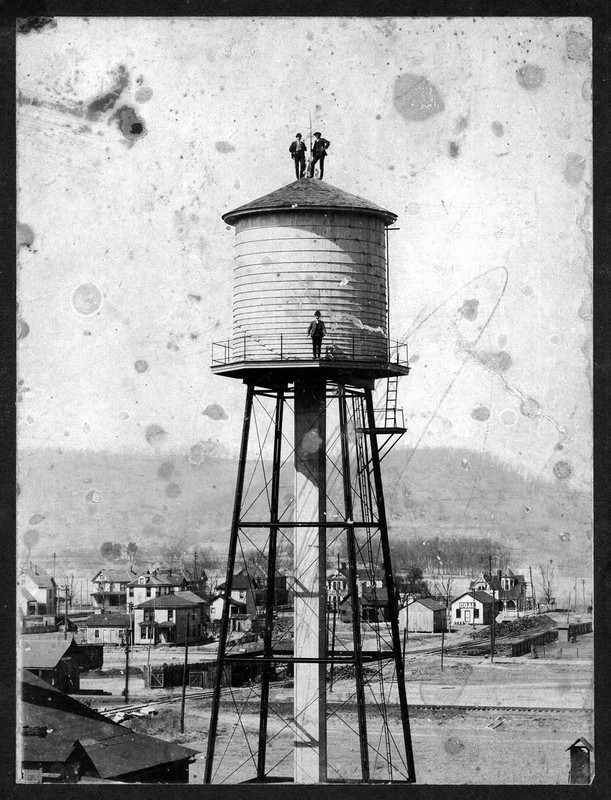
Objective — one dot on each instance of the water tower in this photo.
(310, 490)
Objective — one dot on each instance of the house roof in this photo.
(115, 575)
(176, 600)
(583, 741)
(108, 620)
(159, 580)
(482, 597)
(44, 653)
(232, 600)
(428, 602)
(114, 750)
(241, 581)
(304, 195)
(29, 597)
(41, 579)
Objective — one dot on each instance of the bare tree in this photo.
(444, 588)
(547, 581)
(30, 540)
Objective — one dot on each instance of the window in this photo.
(458, 613)
(171, 615)
(149, 615)
(96, 633)
(148, 591)
(476, 613)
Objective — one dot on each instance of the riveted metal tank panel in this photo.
(289, 264)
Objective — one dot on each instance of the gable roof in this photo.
(428, 602)
(113, 749)
(240, 582)
(159, 580)
(115, 575)
(305, 195)
(45, 653)
(108, 620)
(482, 597)
(41, 579)
(176, 600)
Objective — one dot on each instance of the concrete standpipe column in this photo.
(310, 635)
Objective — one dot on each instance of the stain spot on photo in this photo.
(469, 309)
(131, 125)
(144, 94)
(27, 24)
(165, 470)
(86, 299)
(481, 413)
(215, 411)
(530, 407)
(497, 128)
(141, 365)
(563, 470)
(224, 147)
(574, 168)
(23, 328)
(36, 519)
(578, 46)
(155, 434)
(530, 76)
(415, 98)
(453, 150)
(108, 100)
(173, 490)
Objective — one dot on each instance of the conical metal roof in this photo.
(306, 194)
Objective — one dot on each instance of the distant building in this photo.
(107, 628)
(172, 618)
(155, 584)
(258, 576)
(423, 615)
(64, 741)
(510, 591)
(36, 600)
(110, 590)
(472, 608)
(239, 619)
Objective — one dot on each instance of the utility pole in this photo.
(184, 677)
(583, 592)
(532, 589)
(195, 567)
(66, 610)
(127, 638)
(54, 557)
(575, 596)
(493, 614)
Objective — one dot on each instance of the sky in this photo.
(136, 135)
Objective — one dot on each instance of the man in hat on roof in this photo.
(317, 330)
(319, 152)
(297, 150)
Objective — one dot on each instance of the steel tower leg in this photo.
(310, 633)
(352, 577)
(393, 610)
(233, 541)
(271, 585)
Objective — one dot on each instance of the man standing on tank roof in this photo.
(319, 153)
(317, 331)
(297, 150)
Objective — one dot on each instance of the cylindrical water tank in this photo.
(308, 247)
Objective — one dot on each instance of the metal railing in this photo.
(360, 346)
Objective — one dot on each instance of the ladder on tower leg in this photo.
(393, 427)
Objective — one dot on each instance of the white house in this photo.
(471, 608)
(155, 584)
(173, 618)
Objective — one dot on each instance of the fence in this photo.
(526, 645)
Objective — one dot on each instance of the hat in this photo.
(317, 313)
(297, 136)
(317, 133)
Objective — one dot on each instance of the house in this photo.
(111, 588)
(244, 589)
(109, 627)
(36, 600)
(510, 591)
(173, 618)
(57, 661)
(337, 583)
(472, 608)
(64, 741)
(155, 584)
(239, 619)
(373, 605)
(258, 575)
(423, 615)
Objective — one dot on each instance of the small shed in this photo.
(580, 751)
(56, 661)
(423, 615)
(107, 628)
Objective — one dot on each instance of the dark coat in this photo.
(298, 150)
(317, 329)
(319, 148)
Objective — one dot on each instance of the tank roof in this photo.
(307, 194)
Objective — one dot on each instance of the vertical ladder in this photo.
(390, 410)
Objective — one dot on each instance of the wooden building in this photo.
(423, 615)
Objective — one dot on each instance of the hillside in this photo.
(83, 498)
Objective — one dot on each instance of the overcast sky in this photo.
(135, 135)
